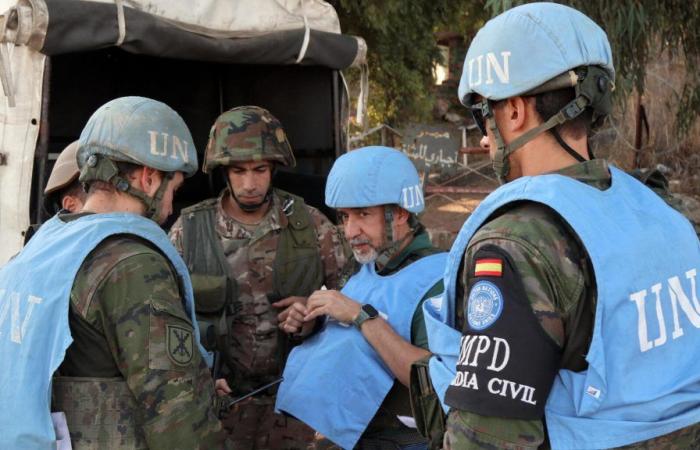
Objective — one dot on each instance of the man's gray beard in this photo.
(366, 258)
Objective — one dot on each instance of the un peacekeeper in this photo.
(571, 313)
(252, 252)
(96, 312)
(63, 189)
(349, 381)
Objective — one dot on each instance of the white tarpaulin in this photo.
(19, 130)
(235, 18)
(275, 32)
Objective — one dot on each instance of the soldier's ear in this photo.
(148, 180)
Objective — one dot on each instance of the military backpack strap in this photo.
(297, 269)
(425, 404)
(204, 255)
(214, 287)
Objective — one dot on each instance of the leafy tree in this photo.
(402, 46)
(402, 49)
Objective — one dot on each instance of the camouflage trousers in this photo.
(253, 425)
(459, 435)
(321, 443)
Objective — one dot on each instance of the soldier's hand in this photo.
(222, 388)
(287, 303)
(294, 322)
(333, 304)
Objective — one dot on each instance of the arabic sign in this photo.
(434, 147)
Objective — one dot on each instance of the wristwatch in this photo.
(367, 312)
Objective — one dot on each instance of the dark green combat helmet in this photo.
(247, 133)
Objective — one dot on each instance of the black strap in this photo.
(566, 146)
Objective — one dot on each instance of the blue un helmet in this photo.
(373, 176)
(376, 176)
(139, 131)
(532, 49)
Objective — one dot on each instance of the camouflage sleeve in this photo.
(152, 342)
(549, 266)
(175, 235)
(333, 255)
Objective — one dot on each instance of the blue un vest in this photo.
(34, 303)
(643, 376)
(335, 381)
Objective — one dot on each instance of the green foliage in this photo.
(402, 47)
(400, 35)
(639, 30)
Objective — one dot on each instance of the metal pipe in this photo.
(41, 153)
(456, 190)
(473, 151)
(337, 126)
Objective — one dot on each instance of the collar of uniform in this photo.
(273, 220)
(67, 216)
(593, 173)
(420, 241)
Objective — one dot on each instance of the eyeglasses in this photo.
(480, 112)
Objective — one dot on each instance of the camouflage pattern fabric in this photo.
(96, 425)
(254, 331)
(247, 422)
(127, 321)
(247, 133)
(558, 282)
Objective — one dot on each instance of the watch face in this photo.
(369, 309)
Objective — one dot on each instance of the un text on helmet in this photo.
(481, 71)
(160, 142)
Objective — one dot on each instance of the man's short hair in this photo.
(75, 189)
(550, 103)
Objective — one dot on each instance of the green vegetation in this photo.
(402, 51)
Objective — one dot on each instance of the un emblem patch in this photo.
(180, 344)
(484, 306)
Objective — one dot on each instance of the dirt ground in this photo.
(445, 213)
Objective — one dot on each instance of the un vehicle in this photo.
(61, 59)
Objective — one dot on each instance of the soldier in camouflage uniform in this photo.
(252, 252)
(63, 188)
(63, 191)
(134, 377)
(525, 281)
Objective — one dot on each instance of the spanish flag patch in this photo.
(488, 268)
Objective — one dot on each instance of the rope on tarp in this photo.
(8, 86)
(121, 22)
(25, 23)
(307, 35)
(362, 98)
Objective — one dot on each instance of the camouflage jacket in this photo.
(559, 285)
(254, 329)
(124, 302)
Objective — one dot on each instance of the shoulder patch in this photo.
(488, 267)
(484, 306)
(180, 344)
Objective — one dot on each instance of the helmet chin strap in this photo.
(593, 89)
(391, 247)
(503, 150)
(104, 169)
(247, 207)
